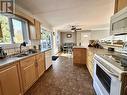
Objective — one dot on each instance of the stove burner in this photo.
(119, 59)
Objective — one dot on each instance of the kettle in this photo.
(2, 53)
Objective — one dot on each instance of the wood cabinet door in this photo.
(9, 81)
(41, 64)
(28, 71)
(90, 64)
(38, 29)
(122, 4)
(32, 32)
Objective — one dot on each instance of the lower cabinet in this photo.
(90, 64)
(18, 77)
(28, 72)
(9, 81)
(79, 55)
(40, 58)
(31, 69)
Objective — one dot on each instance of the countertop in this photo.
(97, 50)
(79, 47)
(100, 51)
(11, 60)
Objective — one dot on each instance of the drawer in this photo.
(28, 61)
(40, 56)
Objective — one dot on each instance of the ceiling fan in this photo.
(75, 29)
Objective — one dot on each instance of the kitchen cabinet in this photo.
(17, 77)
(9, 81)
(28, 72)
(41, 64)
(31, 69)
(35, 30)
(120, 4)
(48, 59)
(89, 63)
(38, 29)
(32, 32)
(79, 55)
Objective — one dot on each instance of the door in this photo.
(9, 81)
(28, 71)
(38, 30)
(41, 64)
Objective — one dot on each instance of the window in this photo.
(45, 38)
(13, 30)
(18, 32)
(5, 36)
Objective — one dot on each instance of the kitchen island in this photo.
(79, 55)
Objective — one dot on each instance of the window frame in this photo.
(25, 31)
(10, 33)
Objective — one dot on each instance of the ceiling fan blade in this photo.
(79, 29)
(73, 28)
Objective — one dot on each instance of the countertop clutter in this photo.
(100, 51)
(96, 50)
(10, 60)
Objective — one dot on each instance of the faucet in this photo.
(22, 44)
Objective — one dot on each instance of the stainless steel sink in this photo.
(26, 53)
(22, 55)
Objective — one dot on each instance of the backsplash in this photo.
(12, 49)
(116, 42)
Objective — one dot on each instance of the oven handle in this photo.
(106, 70)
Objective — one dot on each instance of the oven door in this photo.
(105, 82)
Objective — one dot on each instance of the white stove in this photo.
(108, 70)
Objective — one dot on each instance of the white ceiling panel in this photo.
(64, 12)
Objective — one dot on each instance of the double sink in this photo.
(26, 53)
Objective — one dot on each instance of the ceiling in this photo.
(61, 13)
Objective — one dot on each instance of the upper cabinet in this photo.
(120, 4)
(35, 30)
(34, 25)
(38, 29)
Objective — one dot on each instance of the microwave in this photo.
(118, 23)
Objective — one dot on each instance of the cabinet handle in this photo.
(36, 63)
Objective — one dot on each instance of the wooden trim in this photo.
(116, 6)
(23, 15)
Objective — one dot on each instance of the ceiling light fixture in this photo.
(85, 36)
(72, 30)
